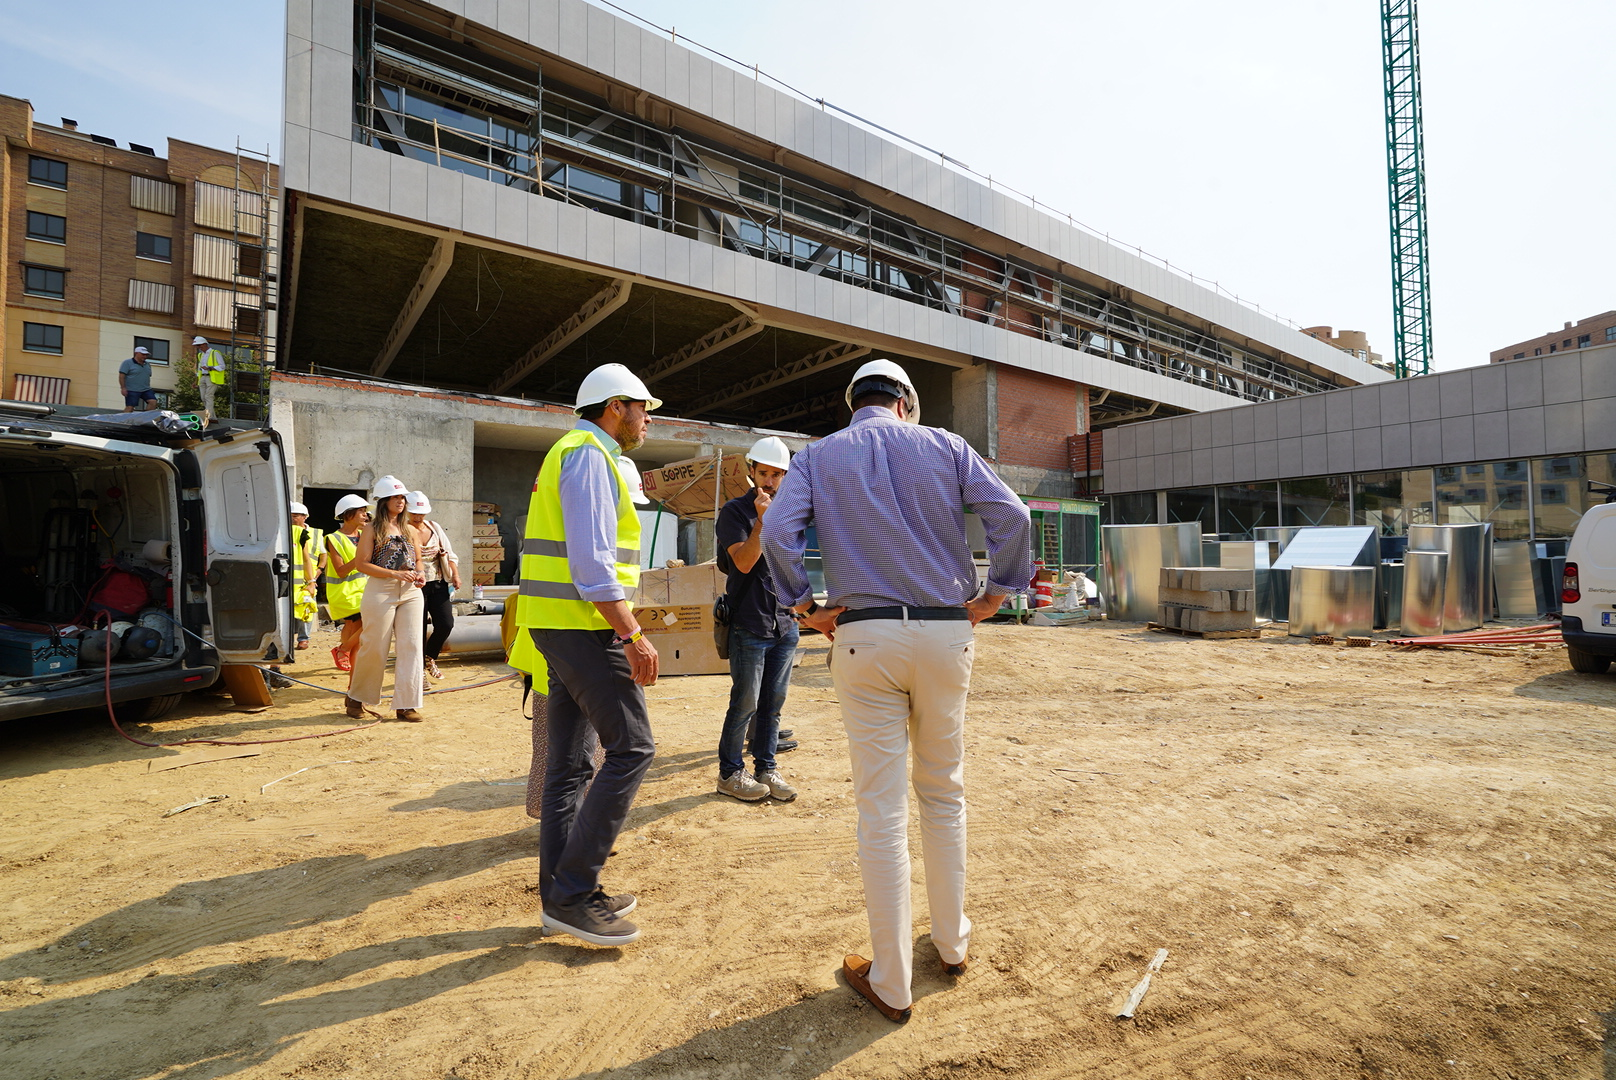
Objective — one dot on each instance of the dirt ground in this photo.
(1362, 863)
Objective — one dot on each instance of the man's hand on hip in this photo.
(642, 661)
(983, 607)
(824, 620)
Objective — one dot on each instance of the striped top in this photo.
(888, 499)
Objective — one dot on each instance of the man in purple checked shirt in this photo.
(888, 498)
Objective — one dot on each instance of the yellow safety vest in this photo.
(546, 596)
(300, 539)
(210, 363)
(342, 595)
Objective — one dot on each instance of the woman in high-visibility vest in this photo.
(303, 564)
(346, 588)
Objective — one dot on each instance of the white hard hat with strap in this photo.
(771, 450)
(387, 487)
(614, 381)
(885, 376)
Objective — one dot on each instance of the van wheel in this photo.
(148, 709)
(1587, 662)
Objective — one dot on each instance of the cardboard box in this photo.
(478, 578)
(485, 509)
(686, 487)
(479, 542)
(483, 529)
(675, 609)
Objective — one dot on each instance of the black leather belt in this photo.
(919, 614)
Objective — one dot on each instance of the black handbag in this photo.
(721, 626)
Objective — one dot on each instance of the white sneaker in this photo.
(777, 786)
(743, 787)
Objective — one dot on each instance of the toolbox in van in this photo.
(28, 653)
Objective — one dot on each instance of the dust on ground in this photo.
(1363, 863)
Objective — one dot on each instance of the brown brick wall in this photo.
(1036, 415)
(1595, 326)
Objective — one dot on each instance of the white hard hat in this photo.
(613, 381)
(885, 375)
(771, 450)
(635, 482)
(298, 508)
(350, 502)
(387, 487)
(199, 341)
(418, 503)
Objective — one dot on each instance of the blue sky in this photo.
(1242, 140)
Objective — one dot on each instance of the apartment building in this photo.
(111, 247)
(1594, 330)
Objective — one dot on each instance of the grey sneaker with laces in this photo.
(777, 785)
(740, 785)
(591, 921)
(621, 904)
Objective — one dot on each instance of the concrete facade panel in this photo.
(1492, 436)
(512, 18)
(482, 12)
(1200, 468)
(1314, 415)
(543, 223)
(571, 242)
(1201, 431)
(1222, 427)
(1242, 462)
(1265, 460)
(1562, 378)
(300, 19)
(1525, 382)
(1242, 425)
(477, 206)
(1394, 404)
(1396, 447)
(330, 162)
(1183, 469)
(1489, 389)
(1264, 422)
(1223, 465)
(1425, 442)
(1288, 418)
(1366, 450)
(1562, 427)
(510, 214)
(330, 91)
(1315, 454)
(1599, 375)
(332, 25)
(573, 39)
(1599, 422)
(699, 91)
(1458, 398)
(600, 28)
(1338, 408)
(1180, 436)
(443, 199)
(1527, 435)
(299, 73)
(370, 177)
(1459, 438)
(1340, 454)
(1424, 399)
(295, 150)
(407, 191)
(626, 245)
(654, 66)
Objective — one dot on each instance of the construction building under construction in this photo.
(488, 200)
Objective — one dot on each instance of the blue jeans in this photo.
(760, 674)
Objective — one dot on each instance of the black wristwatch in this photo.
(813, 606)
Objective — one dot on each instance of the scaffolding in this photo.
(249, 349)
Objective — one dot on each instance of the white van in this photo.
(1588, 590)
(109, 522)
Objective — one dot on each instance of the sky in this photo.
(1242, 140)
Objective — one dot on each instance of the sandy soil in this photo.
(1364, 864)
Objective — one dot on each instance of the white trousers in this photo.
(390, 610)
(902, 687)
(206, 387)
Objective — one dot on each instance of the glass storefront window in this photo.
(1192, 504)
(1392, 501)
(1560, 491)
(1245, 507)
(1321, 500)
(1136, 508)
(1495, 492)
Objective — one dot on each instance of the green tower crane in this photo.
(1405, 176)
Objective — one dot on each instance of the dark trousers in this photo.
(590, 688)
(441, 611)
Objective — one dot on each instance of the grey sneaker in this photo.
(740, 785)
(621, 904)
(591, 921)
(777, 786)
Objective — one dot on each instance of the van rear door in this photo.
(249, 541)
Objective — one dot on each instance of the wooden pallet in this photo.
(1208, 635)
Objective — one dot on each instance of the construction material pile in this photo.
(1206, 598)
(1495, 641)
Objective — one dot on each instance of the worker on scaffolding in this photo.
(209, 376)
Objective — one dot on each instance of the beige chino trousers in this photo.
(390, 610)
(902, 689)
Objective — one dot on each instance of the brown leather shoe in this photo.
(856, 970)
(956, 969)
(356, 709)
(409, 714)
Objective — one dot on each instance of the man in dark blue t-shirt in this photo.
(762, 637)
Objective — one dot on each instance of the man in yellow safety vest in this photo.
(580, 567)
(304, 563)
(209, 376)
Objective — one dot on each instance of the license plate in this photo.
(1607, 618)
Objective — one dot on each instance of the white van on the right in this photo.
(1588, 590)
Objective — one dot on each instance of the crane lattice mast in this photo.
(1405, 175)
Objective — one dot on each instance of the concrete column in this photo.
(974, 408)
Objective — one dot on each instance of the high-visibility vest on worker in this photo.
(343, 594)
(300, 540)
(209, 362)
(546, 597)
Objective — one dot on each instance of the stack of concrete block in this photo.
(1207, 598)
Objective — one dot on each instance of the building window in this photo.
(162, 397)
(1539, 352)
(1610, 333)
(1583, 340)
(156, 349)
(41, 388)
(1566, 344)
(47, 172)
(44, 281)
(151, 246)
(1519, 356)
(42, 337)
(151, 296)
(51, 228)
